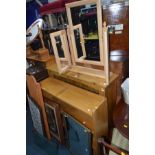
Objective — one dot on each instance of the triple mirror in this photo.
(61, 50)
(85, 24)
(86, 38)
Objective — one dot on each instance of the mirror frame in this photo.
(103, 42)
(65, 47)
(82, 40)
(37, 24)
(100, 30)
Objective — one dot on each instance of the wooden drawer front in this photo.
(80, 116)
(79, 137)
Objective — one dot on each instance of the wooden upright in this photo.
(36, 93)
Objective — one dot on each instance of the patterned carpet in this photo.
(36, 144)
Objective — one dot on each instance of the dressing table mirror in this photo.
(61, 50)
(85, 23)
(83, 46)
(88, 37)
(38, 51)
(33, 31)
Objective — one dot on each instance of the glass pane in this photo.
(77, 42)
(51, 120)
(59, 46)
(86, 15)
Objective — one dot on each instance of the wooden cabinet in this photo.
(113, 14)
(90, 83)
(87, 108)
(36, 93)
(118, 42)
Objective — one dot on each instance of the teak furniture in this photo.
(121, 118)
(78, 136)
(36, 94)
(35, 31)
(119, 64)
(114, 149)
(121, 130)
(90, 83)
(41, 53)
(69, 6)
(36, 114)
(81, 64)
(83, 89)
(54, 120)
(88, 108)
(63, 63)
(113, 17)
(46, 61)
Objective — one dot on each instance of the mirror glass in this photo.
(84, 20)
(78, 42)
(59, 46)
(32, 31)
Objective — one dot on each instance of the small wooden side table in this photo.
(121, 118)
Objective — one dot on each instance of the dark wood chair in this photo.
(115, 149)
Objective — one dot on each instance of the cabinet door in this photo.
(36, 116)
(79, 137)
(54, 120)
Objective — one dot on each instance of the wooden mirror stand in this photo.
(80, 64)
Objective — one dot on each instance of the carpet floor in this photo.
(39, 145)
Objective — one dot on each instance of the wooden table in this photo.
(121, 118)
(90, 83)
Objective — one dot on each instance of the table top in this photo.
(121, 118)
(119, 56)
(78, 98)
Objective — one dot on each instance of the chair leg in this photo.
(113, 148)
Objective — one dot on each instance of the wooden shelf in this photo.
(36, 58)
